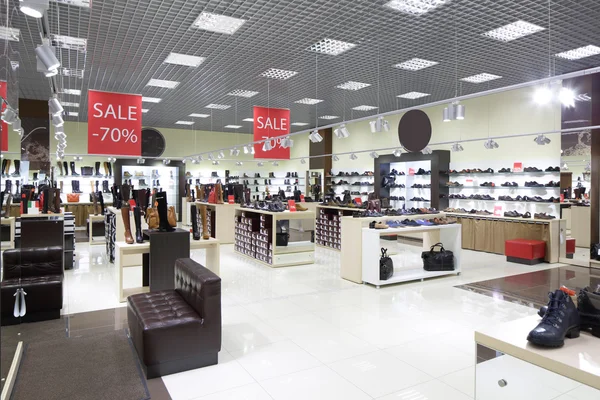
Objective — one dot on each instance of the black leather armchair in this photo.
(178, 330)
(39, 272)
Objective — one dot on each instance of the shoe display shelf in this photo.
(366, 181)
(115, 232)
(488, 233)
(449, 235)
(9, 222)
(352, 241)
(220, 220)
(578, 223)
(154, 177)
(328, 227)
(256, 238)
(509, 367)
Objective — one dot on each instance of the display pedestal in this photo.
(10, 222)
(222, 220)
(165, 248)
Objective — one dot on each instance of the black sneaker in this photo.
(588, 305)
(561, 320)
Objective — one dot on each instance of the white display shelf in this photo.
(509, 201)
(505, 187)
(507, 173)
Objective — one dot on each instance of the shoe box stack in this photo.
(253, 236)
(328, 228)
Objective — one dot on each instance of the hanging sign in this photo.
(272, 124)
(114, 123)
(3, 125)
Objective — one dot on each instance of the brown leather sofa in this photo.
(178, 330)
(39, 271)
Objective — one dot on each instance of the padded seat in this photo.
(525, 251)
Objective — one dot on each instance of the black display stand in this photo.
(165, 248)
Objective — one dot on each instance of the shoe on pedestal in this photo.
(561, 320)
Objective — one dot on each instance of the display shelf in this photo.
(352, 176)
(508, 201)
(505, 187)
(328, 226)
(506, 173)
(222, 226)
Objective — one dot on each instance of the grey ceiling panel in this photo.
(128, 41)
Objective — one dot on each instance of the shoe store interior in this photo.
(280, 200)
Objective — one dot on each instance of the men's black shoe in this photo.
(560, 320)
(588, 305)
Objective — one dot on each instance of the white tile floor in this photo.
(304, 333)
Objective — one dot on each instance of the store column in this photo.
(595, 187)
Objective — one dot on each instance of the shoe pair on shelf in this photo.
(552, 169)
(488, 184)
(504, 171)
(543, 216)
(453, 184)
(378, 225)
(510, 184)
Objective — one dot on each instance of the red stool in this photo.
(524, 251)
(570, 248)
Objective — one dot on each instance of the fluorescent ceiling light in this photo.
(299, 123)
(242, 93)
(162, 83)
(328, 117)
(415, 6)
(184, 123)
(7, 33)
(308, 100)
(364, 108)
(69, 42)
(413, 95)
(196, 115)
(218, 106)
(248, 120)
(331, 47)
(78, 3)
(151, 99)
(73, 73)
(145, 110)
(281, 74)
(480, 78)
(218, 23)
(69, 104)
(580, 52)
(74, 92)
(233, 126)
(513, 31)
(351, 85)
(415, 64)
(184, 59)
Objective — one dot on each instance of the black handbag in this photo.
(442, 260)
(595, 252)
(386, 266)
(87, 171)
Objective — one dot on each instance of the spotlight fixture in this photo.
(211, 157)
(454, 111)
(166, 161)
(234, 152)
(302, 161)
(17, 125)
(57, 120)
(77, 158)
(55, 106)
(184, 161)
(542, 95)
(335, 158)
(46, 55)
(141, 161)
(565, 167)
(239, 163)
(215, 162)
(379, 125)
(9, 115)
(315, 137)
(33, 8)
(287, 142)
(267, 145)
(246, 149)
(260, 164)
(490, 144)
(374, 154)
(200, 158)
(567, 97)
(59, 156)
(542, 140)
(460, 111)
(275, 164)
(195, 161)
(457, 147)
(221, 154)
(111, 159)
(341, 132)
(353, 156)
(427, 150)
(397, 152)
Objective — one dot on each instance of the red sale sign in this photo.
(4, 125)
(272, 124)
(114, 123)
(292, 205)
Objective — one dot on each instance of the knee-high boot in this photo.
(163, 219)
(203, 215)
(194, 218)
(137, 217)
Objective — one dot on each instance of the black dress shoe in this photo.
(560, 320)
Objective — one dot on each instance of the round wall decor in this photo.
(153, 143)
(414, 130)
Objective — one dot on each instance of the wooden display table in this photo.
(222, 220)
(578, 359)
(122, 249)
(449, 235)
(10, 221)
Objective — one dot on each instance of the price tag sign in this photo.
(498, 211)
(302, 199)
(114, 123)
(358, 201)
(231, 199)
(292, 205)
(518, 167)
(411, 171)
(562, 198)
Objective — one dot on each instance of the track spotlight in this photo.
(166, 161)
(567, 97)
(57, 120)
(267, 146)
(341, 132)
(9, 115)
(260, 164)
(397, 153)
(215, 162)
(112, 159)
(220, 155)
(46, 55)
(454, 111)
(315, 137)
(184, 161)
(61, 135)
(55, 106)
(287, 142)
(195, 161)
(335, 158)
(565, 167)
(542, 140)
(460, 111)
(457, 147)
(302, 161)
(59, 156)
(542, 95)
(446, 115)
(247, 149)
(353, 156)
(427, 150)
(33, 8)
(379, 125)
(275, 164)
(77, 158)
(211, 157)
(239, 163)
(374, 154)
(234, 152)
(490, 144)
(141, 161)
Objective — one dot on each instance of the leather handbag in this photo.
(87, 171)
(595, 252)
(72, 197)
(152, 218)
(172, 217)
(386, 266)
(442, 260)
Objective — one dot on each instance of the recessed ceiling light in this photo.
(75, 92)
(162, 83)
(184, 59)
(331, 47)
(415, 64)
(196, 115)
(513, 31)
(184, 123)
(242, 93)
(233, 126)
(308, 100)
(78, 3)
(351, 85)
(328, 117)
(151, 99)
(73, 73)
(479, 78)
(218, 106)
(415, 6)
(248, 120)
(364, 108)
(299, 123)
(413, 95)
(68, 42)
(145, 110)
(69, 104)
(282, 74)
(218, 23)
(72, 114)
(7, 33)
(580, 52)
